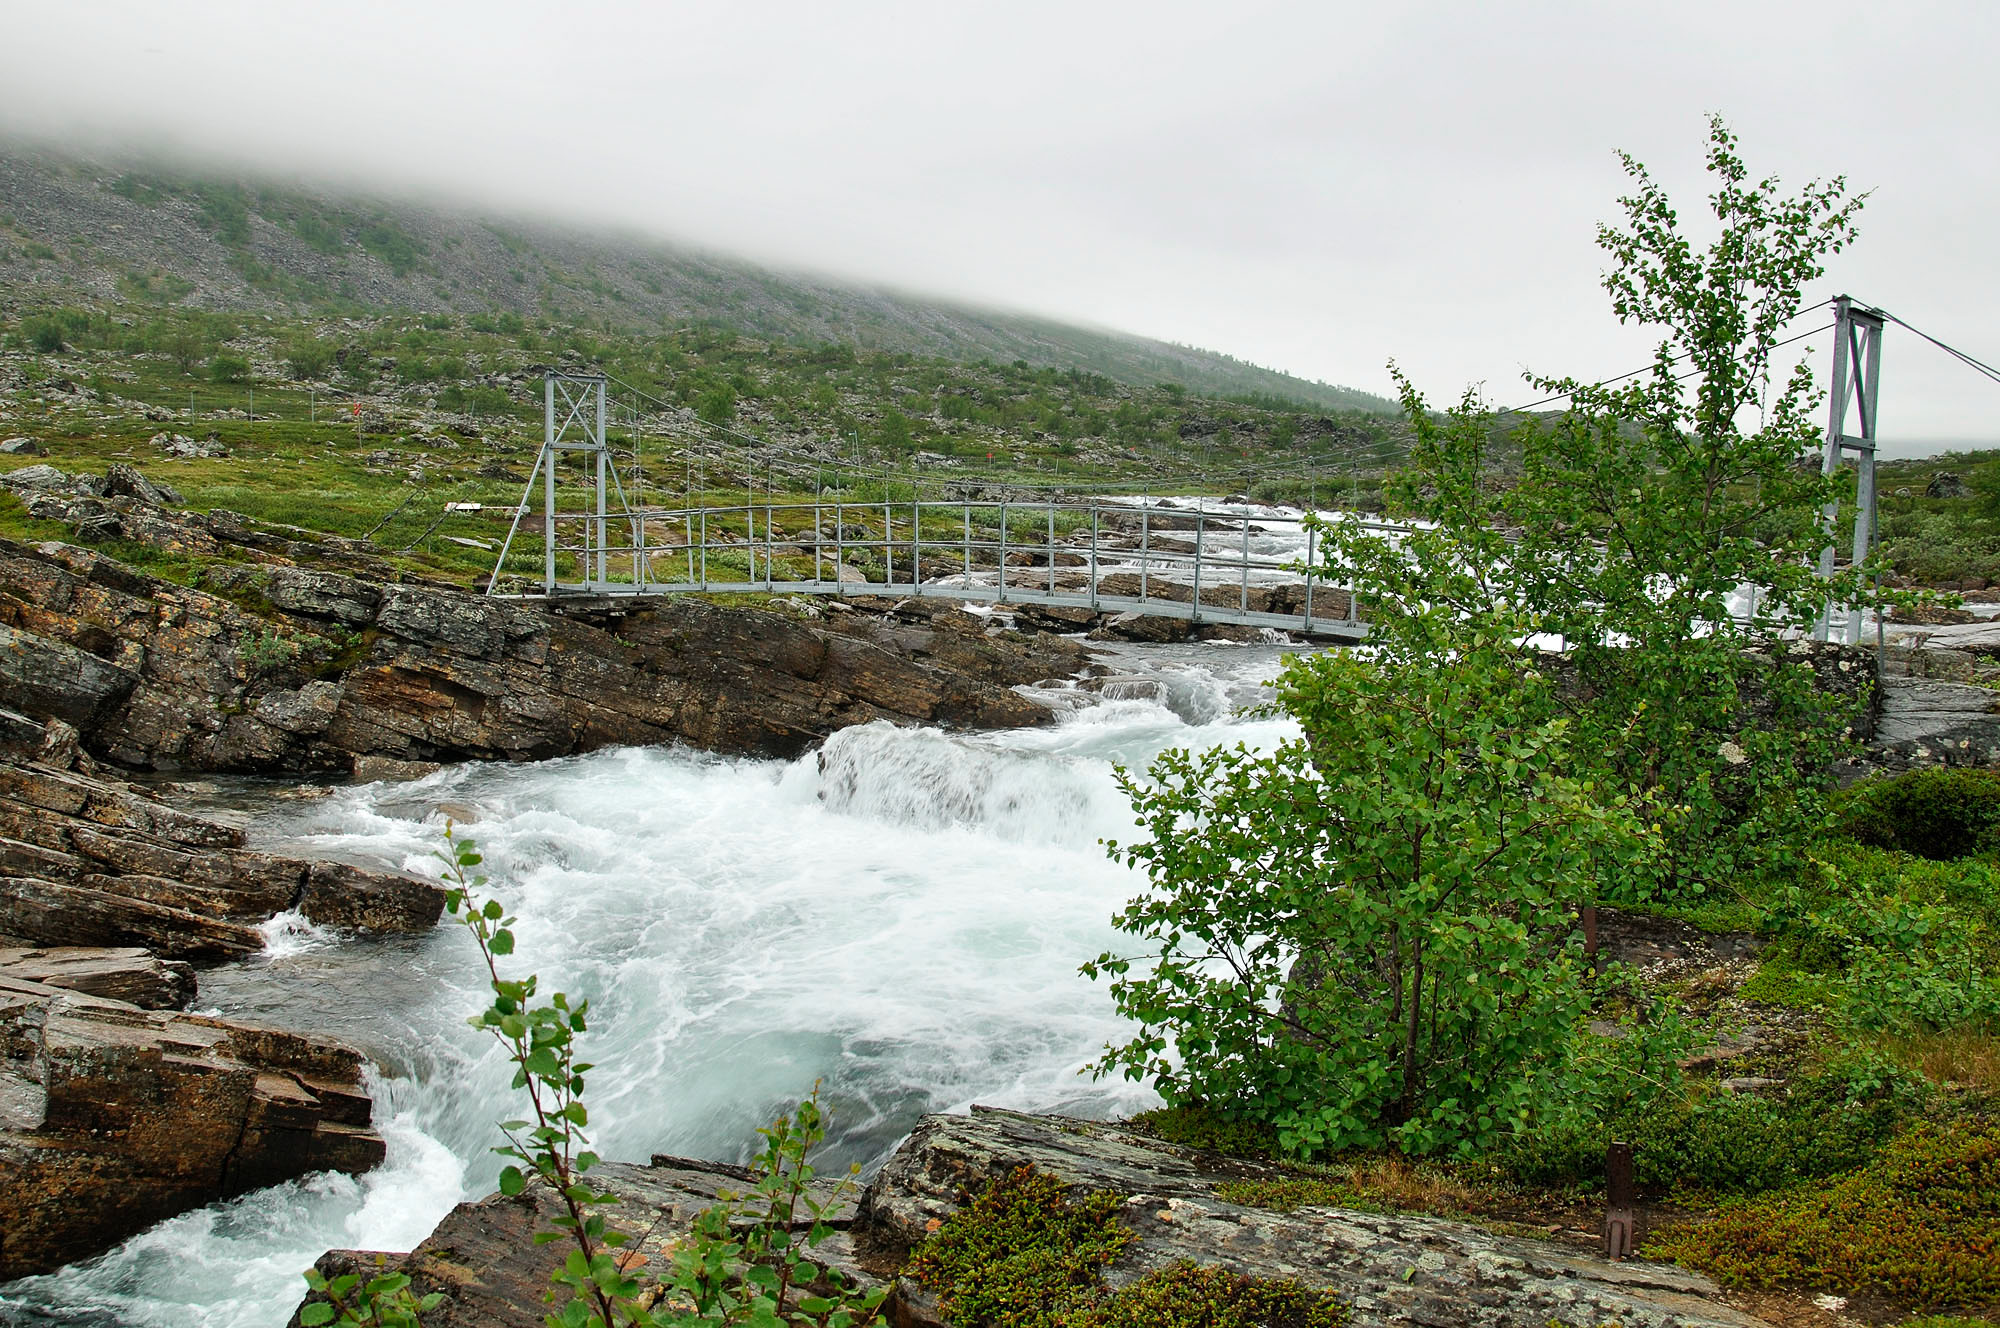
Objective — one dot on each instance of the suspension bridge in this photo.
(1200, 560)
(1196, 560)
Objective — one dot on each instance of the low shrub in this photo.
(1198, 1125)
(228, 369)
(1888, 942)
(44, 335)
(1918, 1224)
(1022, 1254)
(1188, 1295)
(1940, 813)
(1026, 1254)
(1711, 1141)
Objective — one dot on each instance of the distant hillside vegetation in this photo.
(82, 229)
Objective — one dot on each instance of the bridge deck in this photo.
(1202, 564)
(1323, 625)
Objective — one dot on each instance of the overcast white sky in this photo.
(1317, 187)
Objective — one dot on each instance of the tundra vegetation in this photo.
(1360, 953)
(1368, 942)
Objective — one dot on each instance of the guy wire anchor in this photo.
(1621, 1204)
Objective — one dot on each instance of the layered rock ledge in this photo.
(114, 1117)
(1389, 1269)
(85, 860)
(276, 668)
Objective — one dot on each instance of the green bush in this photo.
(1366, 936)
(1941, 813)
(308, 357)
(717, 405)
(1887, 942)
(1917, 1224)
(228, 369)
(1198, 1125)
(44, 335)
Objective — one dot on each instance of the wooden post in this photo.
(1621, 1203)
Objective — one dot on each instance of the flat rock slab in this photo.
(126, 974)
(113, 1118)
(1927, 721)
(86, 861)
(484, 1261)
(1391, 1269)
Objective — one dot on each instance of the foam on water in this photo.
(900, 914)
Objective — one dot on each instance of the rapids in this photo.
(899, 915)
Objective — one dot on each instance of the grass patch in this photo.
(1921, 1224)
(1707, 1141)
(1962, 1058)
(1376, 1182)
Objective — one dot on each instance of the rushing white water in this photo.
(900, 914)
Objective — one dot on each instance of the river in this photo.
(899, 915)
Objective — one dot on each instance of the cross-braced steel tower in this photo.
(573, 422)
(1857, 369)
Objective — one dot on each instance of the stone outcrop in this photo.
(940, 632)
(281, 668)
(85, 861)
(1390, 1269)
(114, 1117)
(1928, 721)
(128, 974)
(483, 1258)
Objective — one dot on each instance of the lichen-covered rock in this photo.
(1927, 722)
(1390, 1269)
(113, 1118)
(52, 679)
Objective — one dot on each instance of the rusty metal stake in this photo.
(1621, 1204)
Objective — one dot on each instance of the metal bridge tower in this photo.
(573, 422)
(1857, 368)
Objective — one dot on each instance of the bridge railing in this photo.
(1197, 561)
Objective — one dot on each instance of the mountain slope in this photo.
(73, 228)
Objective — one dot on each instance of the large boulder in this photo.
(484, 1260)
(1390, 1269)
(113, 1118)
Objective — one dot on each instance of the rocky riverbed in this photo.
(273, 668)
(121, 1108)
